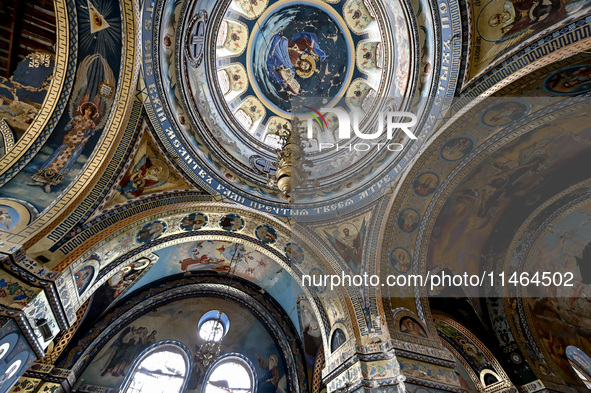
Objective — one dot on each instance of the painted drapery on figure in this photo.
(91, 99)
(298, 55)
(142, 178)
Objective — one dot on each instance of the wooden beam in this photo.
(36, 30)
(15, 28)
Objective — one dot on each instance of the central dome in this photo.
(302, 50)
(277, 60)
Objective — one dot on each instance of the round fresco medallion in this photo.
(294, 252)
(570, 80)
(408, 220)
(232, 222)
(504, 113)
(193, 222)
(317, 280)
(83, 278)
(9, 217)
(266, 234)
(151, 231)
(457, 148)
(302, 51)
(493, 21)
(15, 214)
(400, 260)
(425, 184)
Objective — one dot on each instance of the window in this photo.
(213, 326)
(211, 330)
(581, 363)
(161, 368)
(232, 372)
(338, 339)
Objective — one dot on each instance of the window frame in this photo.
(173, 346)
(227, 357)
(579, 369)
(214, 315)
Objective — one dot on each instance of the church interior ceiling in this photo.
(171, 165)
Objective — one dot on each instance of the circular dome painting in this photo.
(301, 50)
(282, 58)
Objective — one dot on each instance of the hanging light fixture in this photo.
(208, 353)
(212, 328)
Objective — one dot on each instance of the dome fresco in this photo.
(299, 50)
(297, 55)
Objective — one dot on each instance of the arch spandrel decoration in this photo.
(150, 171)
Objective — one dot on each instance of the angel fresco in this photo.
(207, 255)
(297, 56)
(90, 101)
(79, 130)
(204, 261)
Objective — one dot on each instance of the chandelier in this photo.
(211, 331)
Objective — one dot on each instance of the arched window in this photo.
(213, 326)
(161, 368)
(581, 363)
(338, 339)
(232, 372)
